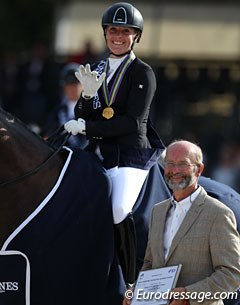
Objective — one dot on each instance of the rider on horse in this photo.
(113, 112)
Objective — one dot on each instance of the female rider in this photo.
(113, 112)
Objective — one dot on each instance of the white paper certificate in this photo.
(153, 285)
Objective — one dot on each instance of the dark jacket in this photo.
(124, 139)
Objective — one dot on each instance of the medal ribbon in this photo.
(110, 97)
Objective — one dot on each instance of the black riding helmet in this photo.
(125, 15)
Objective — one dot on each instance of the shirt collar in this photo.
(114, 62)
(188, 200)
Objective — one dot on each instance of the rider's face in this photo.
(119, 39)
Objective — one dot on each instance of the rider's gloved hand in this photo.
(76, 126)
(89, 80)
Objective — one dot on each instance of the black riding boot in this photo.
(125, 244)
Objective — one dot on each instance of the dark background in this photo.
(196, 99)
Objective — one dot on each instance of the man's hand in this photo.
(178, 296)
(128, 295)
(89, 80)
(126, 301)
(74, 127)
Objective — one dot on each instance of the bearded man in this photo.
(194, 230)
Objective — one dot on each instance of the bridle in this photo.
(51, 139)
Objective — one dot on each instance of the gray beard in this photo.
(188, 180)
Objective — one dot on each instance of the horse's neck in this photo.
(20, 199)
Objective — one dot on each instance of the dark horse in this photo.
(56, 232)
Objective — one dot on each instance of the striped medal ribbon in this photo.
(110, 97)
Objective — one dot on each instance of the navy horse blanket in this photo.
(65, 247)
(63, 253)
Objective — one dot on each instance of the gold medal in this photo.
(110, 97)
(108, 113)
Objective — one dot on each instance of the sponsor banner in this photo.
(14, 278)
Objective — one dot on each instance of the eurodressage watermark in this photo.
(141, 295)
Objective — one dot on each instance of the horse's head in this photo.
(21, 152)
(20, 148)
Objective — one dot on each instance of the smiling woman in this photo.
(113, 112)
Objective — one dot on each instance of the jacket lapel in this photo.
(162, 220)
(188, 221)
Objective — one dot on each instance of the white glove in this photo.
(89, 80)
(74, 127)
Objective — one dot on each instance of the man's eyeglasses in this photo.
(180, 165)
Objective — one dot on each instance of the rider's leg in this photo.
(125, 245)
(127, 184)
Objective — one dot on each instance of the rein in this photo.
(51, 139)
